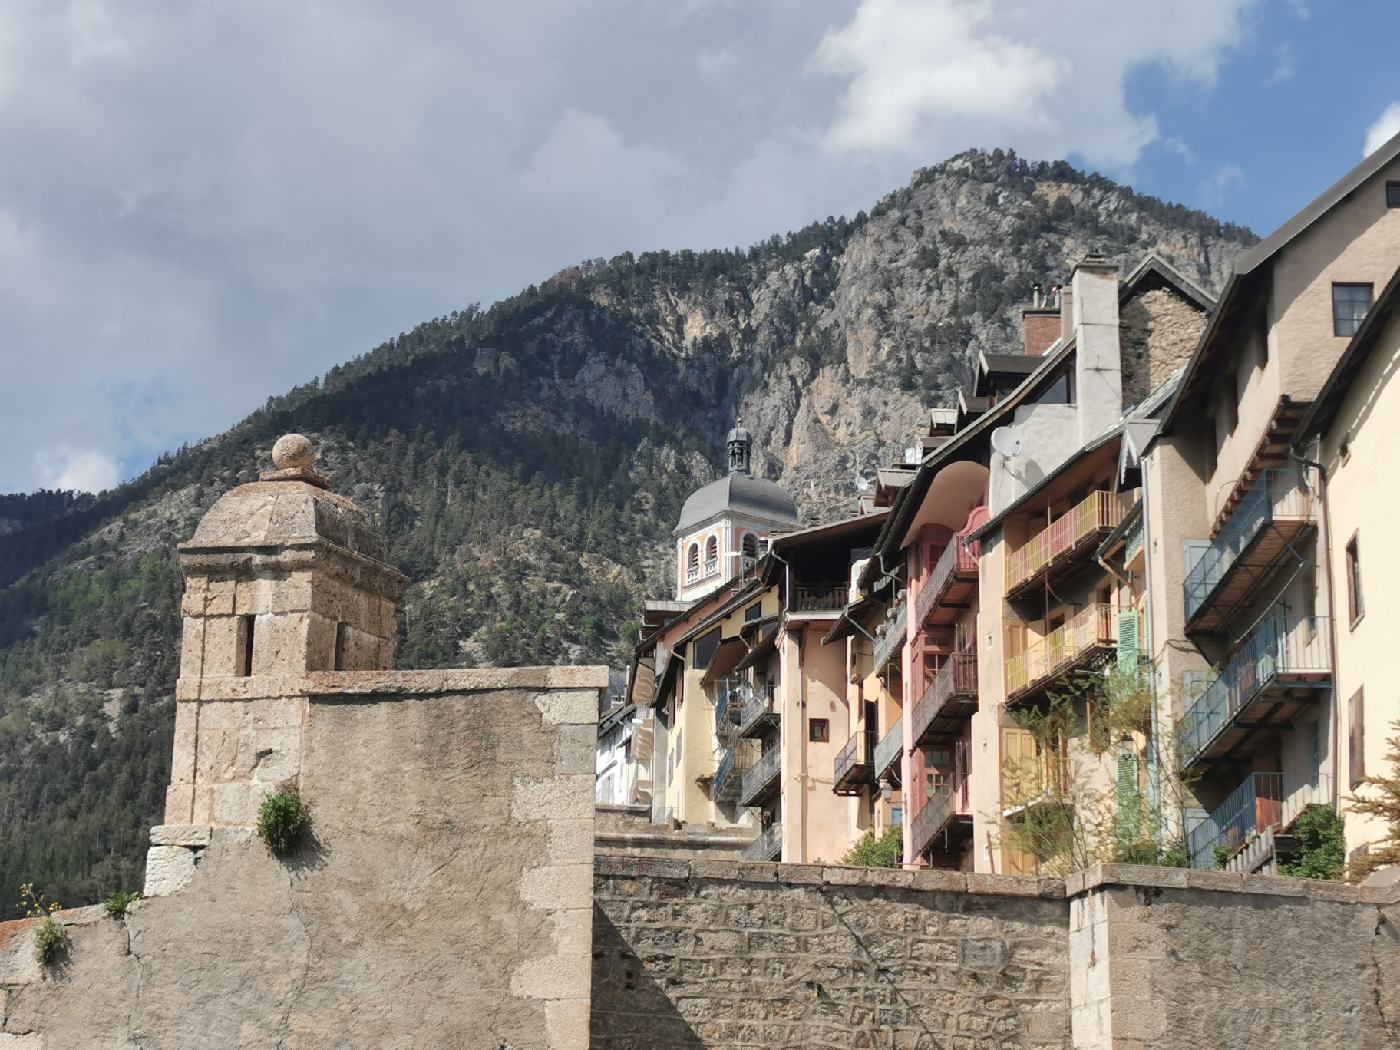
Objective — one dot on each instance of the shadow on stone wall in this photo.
(630, 1011)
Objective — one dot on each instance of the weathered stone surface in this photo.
(168, 868)
(196, 835)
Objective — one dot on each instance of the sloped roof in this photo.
(738, 492)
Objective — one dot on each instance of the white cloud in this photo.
(927, 76)
(1386, 127)
(83, 470)
(1220, 183)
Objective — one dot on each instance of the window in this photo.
(711, 556)
(1356, 738)
(1059, 392)
(1356, 604)
(692, 563)
(818, 730)
(338, 663)
(244, 648)
(1392, 194)
(1349, 305)
(896, 816)
(750, 545)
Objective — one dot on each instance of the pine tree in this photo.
(1383, 802)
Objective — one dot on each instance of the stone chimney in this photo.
(1098, 377)
(282, 578)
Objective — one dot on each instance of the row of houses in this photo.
(1129, 599)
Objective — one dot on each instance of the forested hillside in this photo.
(527, 463)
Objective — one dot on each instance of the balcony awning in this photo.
(729, 653)
(846, 623)
(765, 643)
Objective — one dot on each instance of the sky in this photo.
(203, 204)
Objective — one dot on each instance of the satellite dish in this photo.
(1005, 441)
(862, 485)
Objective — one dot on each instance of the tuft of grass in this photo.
(117, 903)
(282, 821)
(50, 940)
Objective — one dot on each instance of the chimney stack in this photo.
(1040, 322)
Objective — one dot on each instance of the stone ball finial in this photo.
(293, 452)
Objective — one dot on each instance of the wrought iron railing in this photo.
(1263, 800)
(768, 845)
(955, 559)
(856, 752)
(1092, 628)
(890, 748)
(1276, 495)
(887, 644)
(756, 708)
(1274, 648)
(730, 694)
(819, 597)
(949, 799)
(957, 677)
(729, 773)
(760, 774)
(1132, 542)
(1097, 512)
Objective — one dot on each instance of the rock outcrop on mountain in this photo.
(527, 462)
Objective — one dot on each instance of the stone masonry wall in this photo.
(719, 954)
(1158, 331)
(444, 899)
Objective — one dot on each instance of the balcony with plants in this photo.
(1254, 540)
(1082, 640)
(1275, 672)
(1254, 820)
(1065, 543)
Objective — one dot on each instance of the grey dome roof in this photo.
(286, 513)
(742, 493)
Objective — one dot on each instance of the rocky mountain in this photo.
(527, 462)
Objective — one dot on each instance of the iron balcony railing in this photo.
(1132, 542)
(729, 774)
(758, 709)
(768, 845)
(890, 748)
(1089, 631)
(955, 561)
(1275, 649)
(956, 678)
(759, 777)
(819, 597)
(1276, 496)
(730, 695)
(852, 765)
(887, 644)
(1097, 512)
(1263, 800)
(950, 799)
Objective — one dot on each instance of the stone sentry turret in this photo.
(283, 577)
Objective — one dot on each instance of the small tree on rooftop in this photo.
(1382, 802)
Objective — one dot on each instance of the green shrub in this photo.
(117, 903)
(872, 851)
(282, 820)
(50, 940)
(1322, 847)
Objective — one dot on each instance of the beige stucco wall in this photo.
(444, 897)
(816, 821)
(1363, 500)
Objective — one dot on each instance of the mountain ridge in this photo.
(528, 461)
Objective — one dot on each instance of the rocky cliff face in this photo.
(528, 462)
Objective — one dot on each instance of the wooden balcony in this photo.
(948, 701)
(944, 822)
(1089, 635)
(819, 597)
(1031, 776)
(1254, 540)
(1272, 677)
(855, 764)
(950, 587)
(1068, 540)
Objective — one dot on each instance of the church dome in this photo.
(739, 493)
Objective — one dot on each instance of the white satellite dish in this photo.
(862, 484)
(1005, 441)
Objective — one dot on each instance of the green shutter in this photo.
(1127, 796)
(1128, 641)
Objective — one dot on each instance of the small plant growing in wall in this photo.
(50, 938)
(117, 904)
(282, 821)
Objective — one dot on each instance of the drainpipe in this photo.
(1331, 617)
(800, 638)
(1154, 779)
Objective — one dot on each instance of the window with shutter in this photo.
(1128, 641)
(1126, 790)
(1356, 738)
